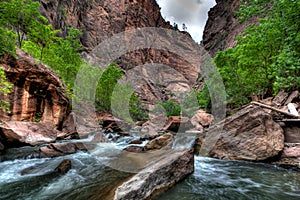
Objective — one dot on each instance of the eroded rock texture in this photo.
(250, 134)
(161, 174)
(99, 20)
(223, 26)
(38, 94)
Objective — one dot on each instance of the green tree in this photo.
(105, 88)
(266, 57)
(20, 16)
(7, 41)
(5, 88)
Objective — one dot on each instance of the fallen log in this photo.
(275, 109)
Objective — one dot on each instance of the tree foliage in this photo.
(266, 57)
(5, 88)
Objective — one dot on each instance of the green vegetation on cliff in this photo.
(22, 25)
(267, 55)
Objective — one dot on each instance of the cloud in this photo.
(191, 12)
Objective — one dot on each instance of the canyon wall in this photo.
(101, 19)
(222, 26)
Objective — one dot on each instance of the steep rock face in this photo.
(222, 26)
(37, 94)
(101, 19)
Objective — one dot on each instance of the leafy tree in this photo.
(171, 107)
(5, 88)
(105, 88)
(266, 57)
(7, 41)
(20, 16)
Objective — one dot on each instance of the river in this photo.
(90, 178)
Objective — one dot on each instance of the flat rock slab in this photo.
(28, 132)
(159, 175)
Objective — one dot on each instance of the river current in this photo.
(90, 178)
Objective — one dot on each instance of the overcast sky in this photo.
(191, 12)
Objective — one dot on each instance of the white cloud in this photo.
(191, 12)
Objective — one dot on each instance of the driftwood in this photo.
(280, 98)
(293, 96)
(275, 109)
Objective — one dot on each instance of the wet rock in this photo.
(64, 166)
(99, 137)
(60, 149)
(69, 128)
(136, 149)
(250, 134)
(2, 147)
(161, 174)
(113, 124)
(28, 132)
(176, 123)
(136, 142)
(164, 141)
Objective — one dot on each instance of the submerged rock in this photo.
(250, 134)
(64, 166)
(160, 175)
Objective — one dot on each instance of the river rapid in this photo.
(90, 178)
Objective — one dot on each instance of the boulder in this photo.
(250, 134)
(159, 175)
(135, 149)
(202, 119)
(60, 149)
(69, 128)
(165, 140)
(32, 133)
(176, 123)
(110, 122)
(64, 166)
(290, 156)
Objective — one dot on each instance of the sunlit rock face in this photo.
(38, 94)
(101, 19)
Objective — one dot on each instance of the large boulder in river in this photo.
(32, 133)
(250, 134)
(38, 94)
(161, 174)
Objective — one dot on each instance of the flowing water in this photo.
(90, 178)
(218, 179)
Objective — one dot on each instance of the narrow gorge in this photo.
(109, 100)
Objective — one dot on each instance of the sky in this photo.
(193, 13)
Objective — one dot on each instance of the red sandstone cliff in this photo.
(101, 19)
(222, 26)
